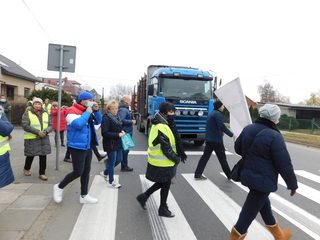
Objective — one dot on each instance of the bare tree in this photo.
(117, 91)
(314, 99)
(269, 94)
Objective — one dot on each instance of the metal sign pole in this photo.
(59, 108)
(60, 58)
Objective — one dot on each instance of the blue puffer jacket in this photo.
(215, 128)
(266, 156)
(6, 174)
(79, 128)
(125, 117)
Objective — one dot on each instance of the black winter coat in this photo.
(111, 126)
(165, 174)
(266, 156)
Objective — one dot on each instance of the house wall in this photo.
(19, 86)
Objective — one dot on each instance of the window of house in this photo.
(10, 92)
(26, 92)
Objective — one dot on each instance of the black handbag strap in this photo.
(243, 156)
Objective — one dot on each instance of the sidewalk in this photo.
(26, 205)
(21, 204)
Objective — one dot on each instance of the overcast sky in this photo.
(277, 41)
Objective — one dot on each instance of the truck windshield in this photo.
(185, 88)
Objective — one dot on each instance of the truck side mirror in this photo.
(151, 90)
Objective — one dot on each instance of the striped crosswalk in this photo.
(98, 221)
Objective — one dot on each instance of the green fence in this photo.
(299, 125)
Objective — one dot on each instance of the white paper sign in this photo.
(232, 97)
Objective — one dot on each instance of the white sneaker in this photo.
(106, 177)
(88, 199)
(115, 185)
(57, 193)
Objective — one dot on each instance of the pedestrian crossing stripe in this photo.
(307, 222)
(98, 220)
(308, 175)
(188, 153)
(166, 228)
(224, 207)
(304, 190)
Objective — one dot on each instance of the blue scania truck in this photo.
(189, 89)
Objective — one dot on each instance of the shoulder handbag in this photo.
(127, 142)
(236, 170)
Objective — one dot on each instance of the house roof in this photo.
(295, 106)
(10, 68)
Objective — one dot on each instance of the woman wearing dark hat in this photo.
(165, 151)
(36, 123)
(81, 133)
(266, 156)
(214, 141)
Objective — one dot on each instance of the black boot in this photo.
(142, 199)
(165, 212)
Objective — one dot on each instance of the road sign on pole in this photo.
(61, 58)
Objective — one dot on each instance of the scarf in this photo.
(114, 119)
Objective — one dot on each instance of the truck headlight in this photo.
(185, 112)
(200, 113)
(177, 112)
(192, 112)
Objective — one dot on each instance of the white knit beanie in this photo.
(271, 112)
(39, 100)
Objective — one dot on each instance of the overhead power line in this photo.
(38, 22)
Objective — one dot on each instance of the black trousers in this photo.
(219, 149)
(81, 162)
(255, 202)
(61, 137)
(42, 163)
(163, 192)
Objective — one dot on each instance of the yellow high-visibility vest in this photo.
(35, 123)
(47, 108)
(4, 145)
(155, 154)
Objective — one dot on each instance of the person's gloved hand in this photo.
(183, 157)
(42, 134)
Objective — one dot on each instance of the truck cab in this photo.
(191, 92)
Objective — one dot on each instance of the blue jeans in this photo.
(256, 202)
(114, 158)
(124, 163)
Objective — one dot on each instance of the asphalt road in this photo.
(203, 210)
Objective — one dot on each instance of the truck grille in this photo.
(189, 120)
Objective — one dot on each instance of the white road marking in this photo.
(175, 228)
(308, 175)
(190, 153)
(224, 207)
(98, 221)
(302, 219)
(304, 190)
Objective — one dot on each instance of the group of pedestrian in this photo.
(260, 144)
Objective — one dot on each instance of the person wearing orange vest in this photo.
(37, 124)
(6, 174)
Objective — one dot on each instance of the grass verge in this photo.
(300, 138)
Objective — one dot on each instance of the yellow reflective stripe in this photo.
(158, 157)
(4, 145)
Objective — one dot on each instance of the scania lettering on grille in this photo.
(188, 101)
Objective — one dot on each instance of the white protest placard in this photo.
(232, 97)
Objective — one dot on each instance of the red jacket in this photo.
(63, 123)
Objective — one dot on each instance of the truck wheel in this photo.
(198, 143)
